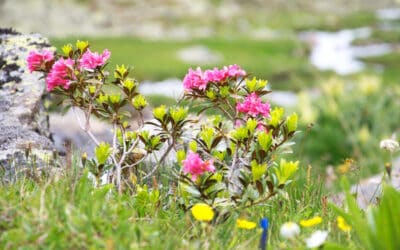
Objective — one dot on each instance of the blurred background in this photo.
(334, 62)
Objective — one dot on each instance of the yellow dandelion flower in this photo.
(342, 224)
(202, 212)
(311, 222)
(347, 166)
(245, 224)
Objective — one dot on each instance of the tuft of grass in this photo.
(70, 213)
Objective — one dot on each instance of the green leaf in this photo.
(129, 84)
(102, 151)
(82, 45)
(207, 135)
(155, 142)
(251, 125)
(180, 156)
(139, 102)
(292, 122)
(240, 133)
(160, 112)
(255, 85)
(67, 49)
(286, 170)
(265, 140)
(224, 91)
(120, 71)
(251, 193)
(211, 94)
(178, 114)
(115, 99)
(258, 170)
(193, 146)
(276, 116)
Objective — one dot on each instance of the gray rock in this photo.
(368, 191)
(24, 131)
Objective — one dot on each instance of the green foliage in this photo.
(378, 227)
(102, 151)
(286, 170)
(349, 120)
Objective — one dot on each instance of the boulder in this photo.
(24, 129)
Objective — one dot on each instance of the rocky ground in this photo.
(24, 128)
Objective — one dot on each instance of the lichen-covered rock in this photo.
(24, 131)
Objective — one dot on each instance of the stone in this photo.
(24, 129)
(369, 191)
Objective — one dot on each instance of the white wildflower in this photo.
(289, 230)
(316, 239)
(389, 145)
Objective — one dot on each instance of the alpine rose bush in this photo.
(228, 162)
(78, 77)
(242, 143)
(38, 61)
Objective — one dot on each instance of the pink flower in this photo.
(195, 166)
(261, 127)
(238, 123)
(60, 74)
(253, 106)
(37, 61)
(195, 79)
(92, 60)
(234, 71)
(215, 75)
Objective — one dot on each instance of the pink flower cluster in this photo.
(195, 166)
(196, 79)
(60, 74)
(37, 61)
(253, 106)
(92, 60)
